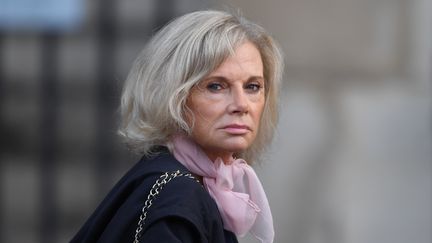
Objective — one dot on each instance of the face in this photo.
(227, 104)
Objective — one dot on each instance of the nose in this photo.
(238, 102)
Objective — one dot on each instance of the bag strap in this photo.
(154, 191)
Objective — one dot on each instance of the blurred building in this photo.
(352, 159)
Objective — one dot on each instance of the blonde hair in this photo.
(179, 56)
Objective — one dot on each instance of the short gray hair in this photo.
(153, 102)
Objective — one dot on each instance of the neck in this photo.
(226, 156)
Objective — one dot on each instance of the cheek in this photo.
(258, 107)
(200, 111)
(205, 116)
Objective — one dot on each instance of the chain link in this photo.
(154, 191)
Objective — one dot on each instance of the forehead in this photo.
(245, 61)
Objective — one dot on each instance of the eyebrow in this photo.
(226, 79)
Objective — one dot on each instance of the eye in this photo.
(253, 87)
(214, 86)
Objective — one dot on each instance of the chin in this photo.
(237, 145)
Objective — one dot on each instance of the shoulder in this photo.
(160, 162)
(117, 215)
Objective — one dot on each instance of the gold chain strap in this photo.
(154, 191)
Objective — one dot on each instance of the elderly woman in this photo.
(200, 101)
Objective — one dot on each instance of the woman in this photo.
(198, 103)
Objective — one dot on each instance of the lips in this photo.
(237, 126)
(236, 129)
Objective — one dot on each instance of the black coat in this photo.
(182, 212)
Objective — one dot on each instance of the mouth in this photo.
(237, 129)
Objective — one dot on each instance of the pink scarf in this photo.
(236, 189)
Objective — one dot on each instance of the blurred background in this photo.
(352, 158)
